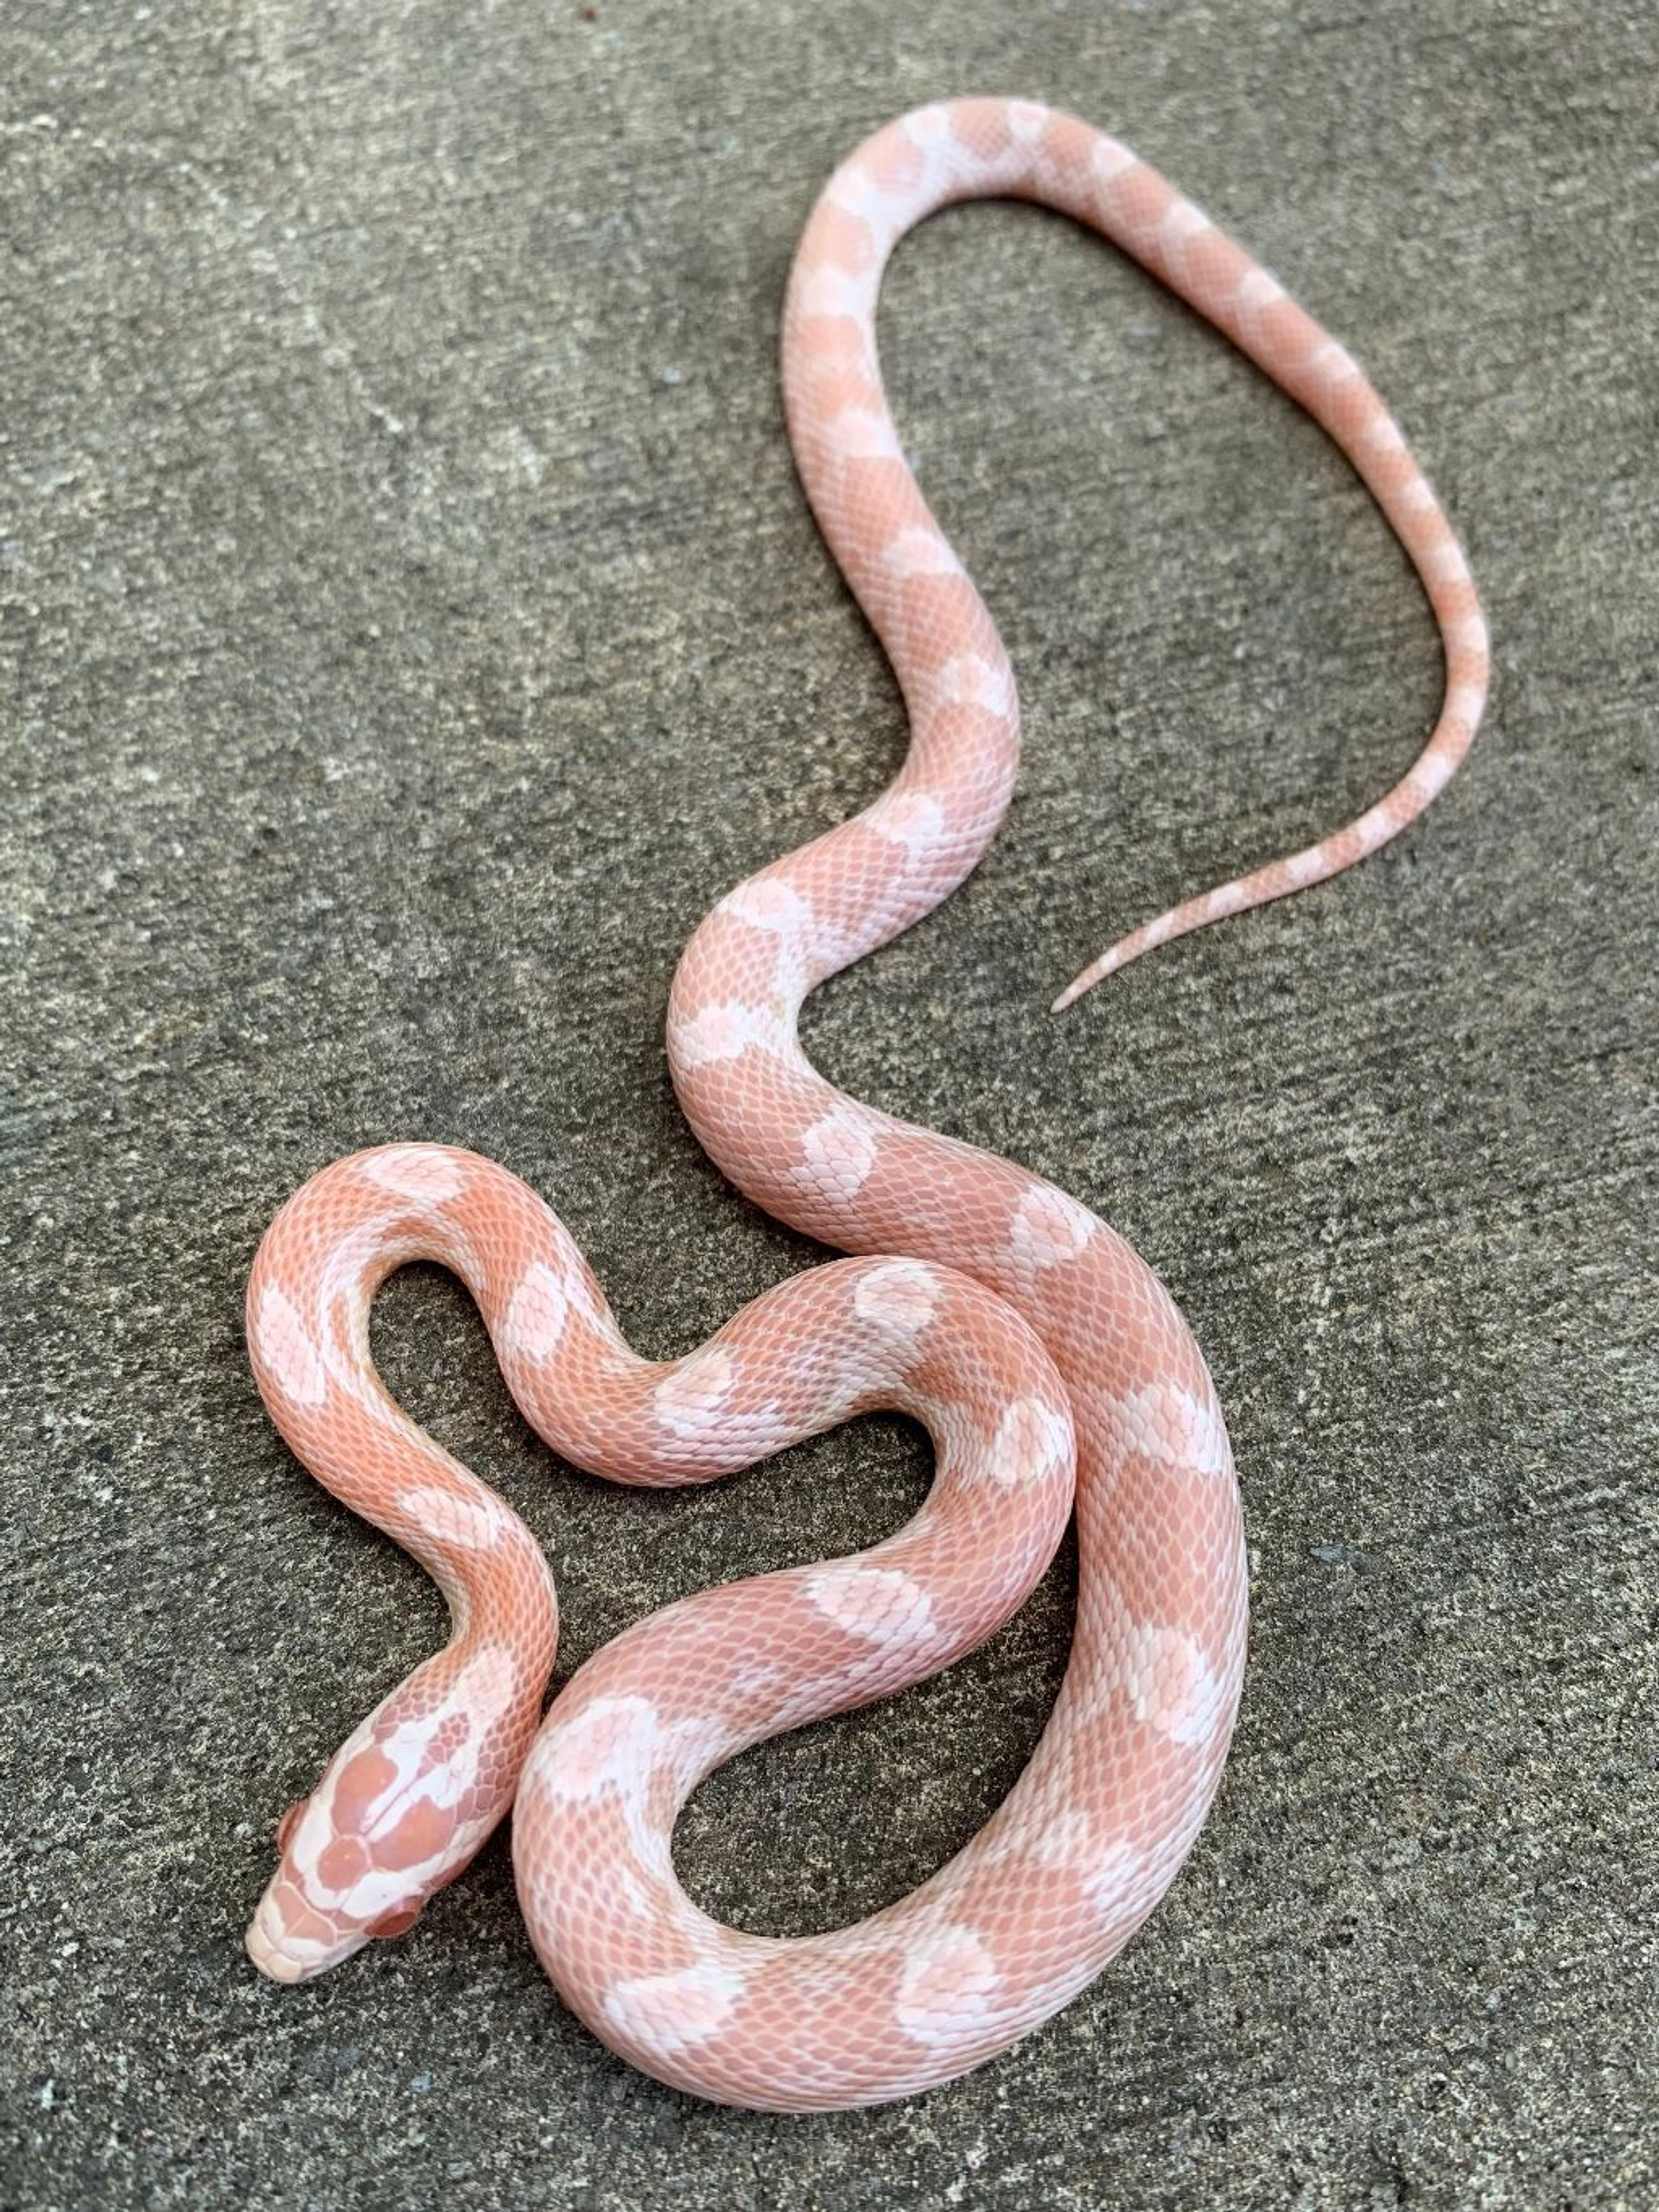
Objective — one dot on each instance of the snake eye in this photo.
(394, 1924)
(290, 1821)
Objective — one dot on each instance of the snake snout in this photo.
(289, 1943)
(274, 1963)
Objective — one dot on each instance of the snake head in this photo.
(402, 1808)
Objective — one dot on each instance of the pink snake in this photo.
(1023, 1332)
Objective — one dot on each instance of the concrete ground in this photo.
(411, 624)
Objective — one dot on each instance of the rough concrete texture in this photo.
(411, 624)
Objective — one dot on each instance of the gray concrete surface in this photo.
(410, 623)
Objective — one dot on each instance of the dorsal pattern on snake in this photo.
(1028, 1337)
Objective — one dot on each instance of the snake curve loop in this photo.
(1043, 1356)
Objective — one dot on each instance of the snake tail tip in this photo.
(1096, 972)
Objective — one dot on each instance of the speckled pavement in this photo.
(409, 624)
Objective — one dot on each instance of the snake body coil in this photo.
(1031, 1341)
